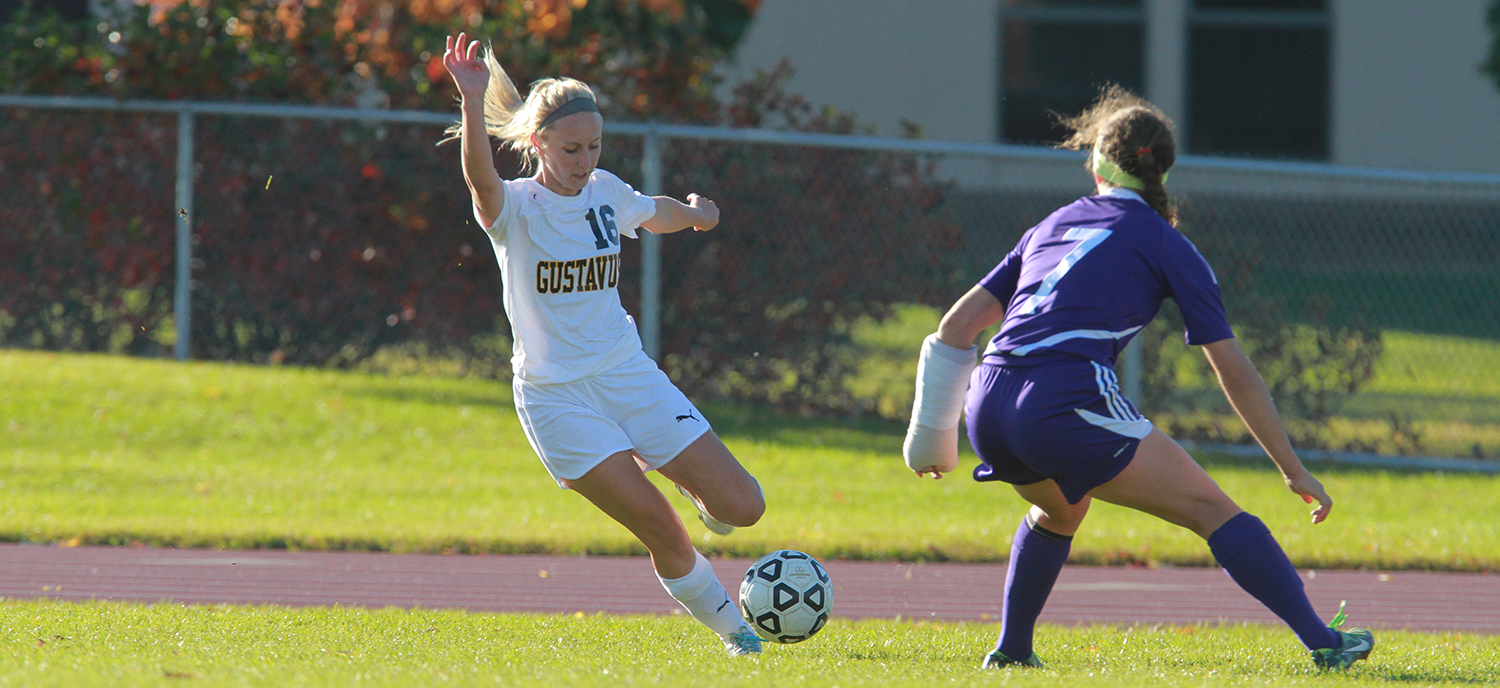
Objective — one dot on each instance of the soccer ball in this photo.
(786, 596)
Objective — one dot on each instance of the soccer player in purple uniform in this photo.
(1045, 411)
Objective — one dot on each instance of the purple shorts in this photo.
(1064, 419)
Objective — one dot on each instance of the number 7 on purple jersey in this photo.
(1087, 238)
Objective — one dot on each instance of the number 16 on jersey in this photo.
(608, 235)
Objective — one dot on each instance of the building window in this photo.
(1258, 78)
(1055, 56)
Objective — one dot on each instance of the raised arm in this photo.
(1248, 394)
(673, 215)
(472, 78)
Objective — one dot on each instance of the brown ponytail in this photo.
(1133, 134)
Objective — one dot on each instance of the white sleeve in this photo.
(508, 212)
(631, 207)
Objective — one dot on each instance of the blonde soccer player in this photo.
(1045, 411)
(595, 408)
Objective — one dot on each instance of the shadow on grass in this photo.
(1427, 676)
(1370, 405)
(495, 395)
(1210, 460)
(748, 422)
(731, 420)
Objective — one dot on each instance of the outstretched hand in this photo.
(470, 74)
(1311, 490)
(707, 209)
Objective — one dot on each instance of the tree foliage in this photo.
(375, 52)
(1310, 367)
(321, 243)
(96, 252)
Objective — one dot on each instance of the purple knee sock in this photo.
(1250, 555)
(1036, 557)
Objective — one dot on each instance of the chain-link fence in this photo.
(1369, 299)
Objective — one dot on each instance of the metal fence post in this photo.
(1166, 37)
(182, 303)
(651, 249)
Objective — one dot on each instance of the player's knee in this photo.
(746, 508)
(756, 509)
(745, 511)
(1207, 512)
(1062, 522)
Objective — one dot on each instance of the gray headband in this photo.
(571, 107)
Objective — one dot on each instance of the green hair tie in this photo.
(1110, 172)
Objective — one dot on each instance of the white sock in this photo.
(701, 593)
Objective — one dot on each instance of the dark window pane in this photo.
(1259, 92)
(1259, 4)
(1060, 66)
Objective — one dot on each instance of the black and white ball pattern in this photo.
(786, 596)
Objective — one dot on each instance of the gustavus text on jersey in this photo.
(584, 274)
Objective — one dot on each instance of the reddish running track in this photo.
(625, 585)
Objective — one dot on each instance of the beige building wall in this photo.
(932, 63)
(1407, 91)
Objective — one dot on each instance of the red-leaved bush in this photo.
(320, 243)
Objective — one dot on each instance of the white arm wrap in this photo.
(942, 377)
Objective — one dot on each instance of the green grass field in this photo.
(65, 644)
(113, 450)
(104, 449)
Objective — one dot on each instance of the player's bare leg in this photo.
(619, 488)
(711, 475)
(1162, 480)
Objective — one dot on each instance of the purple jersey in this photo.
(1091, 275)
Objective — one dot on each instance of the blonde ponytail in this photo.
(512, 120)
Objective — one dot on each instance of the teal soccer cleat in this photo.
(1354, 645)
(742, 642)
(999, 660)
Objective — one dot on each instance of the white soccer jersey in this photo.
(560, 264)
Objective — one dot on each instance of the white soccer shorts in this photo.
(574, 426)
